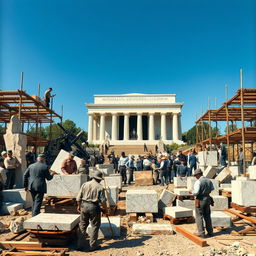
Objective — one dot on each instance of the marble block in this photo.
(216, 187)
(210, 172)
(178, 212)
(105, 171)
(65, 185)
(112, 194)
(234, 170)
(208, 158)
(190, 204)
(242, 178)
(53, 221)
(252, 172)
(220, 219)
(56, 166)
(18, 196)
(8, 207)
(225, 185)
(182, 192)
(113, 180)
(180, 182)
(243, 192)
(166, 199)
(224, 176)
(220, 203)
(190, 182)
(110, 167)
(152, 229)
(105, 231)
(141, 201)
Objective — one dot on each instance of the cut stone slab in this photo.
(208, 158)
(8, 207)
(166, 199)
(242, 178)
(180, 182)
(18, 195)
(243, 192)
(252, 172)
(110, 168)
(220, 219)
(216, 187)
(224, 176)
(190, 182)
(105, 230)
(113, 180)
(56, 166)
(220, 203)
(53, 221)
(234, 170)
(65, 185)
(182, 192)
(152, 229)
(143, 178)
(178, 212)
(225, 185)
(112, 194)
(105, 171)
(190, 204)
(141, 201)
(210, 172)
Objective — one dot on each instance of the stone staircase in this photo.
(131, 149)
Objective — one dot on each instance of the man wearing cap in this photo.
(10, 163)
(34, 181)
(3, 154)
(89, 199)
(131, 167)
(68, 165)
(202, 189)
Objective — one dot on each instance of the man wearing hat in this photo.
(163, 171)
(131, 167)
(89, 199)
(202, 189)
(68, 165)
(34, 181)
(10, 163)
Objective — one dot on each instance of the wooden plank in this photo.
(201, 242)
(241, 216)
(19, 244)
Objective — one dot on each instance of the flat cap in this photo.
(198, 171)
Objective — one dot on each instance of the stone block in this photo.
(152, 229)
(113, 180)
(105, 231)
(141, 201)
(243, 178)
(252, 172)
(216, 187)
(234, 170)
(220, 203)
(56, 166)
(224, 176)
(220, 219)
(225, 185)
(18, 196)
(243, 192)
(190, 204)
(210, 172)
(182, 192)
(112, 194)
(190, 182)
(177, 211)
(53, 221)
(180, 182)
(65, 185)
(8, 207)
(208, 158)
(105, 171)
(143, 178)
(166, 199)
(110, 167)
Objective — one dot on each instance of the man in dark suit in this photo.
(34, 181)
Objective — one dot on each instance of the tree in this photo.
(231, 128)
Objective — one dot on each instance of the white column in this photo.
(163, 126)
(94, 128)
(126, 126)
(90, 128)
(114, 127)
(139, 126)
(175, 127)
(151, 127)
(180, 129)
(102, 127)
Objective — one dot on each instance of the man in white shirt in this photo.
(122, 166)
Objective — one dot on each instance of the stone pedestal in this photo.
(252, 172)
(17, 142)
(190, 204)
(224, 176)
(208, 158)
(112, 194)
(113, 180)
(65, 185)
(143, 178)
(166, 199)
(180, 182)
(220, 203)
(18, 196)
(210, 172)
(178, 212)
(152, 229)
(220, 219)
(141, 201)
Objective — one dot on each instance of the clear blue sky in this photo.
(80, 48)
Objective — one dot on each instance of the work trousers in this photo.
(223, 161)
(10, 181)
(203, 213)
(90, 213)
(37, 202)
(155, 176)
(240, 166)
(130, 174)
(190, 169)
(164, 177)
(122, 170)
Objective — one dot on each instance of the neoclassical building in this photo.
(134, 119)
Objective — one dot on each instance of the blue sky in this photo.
(81, 48)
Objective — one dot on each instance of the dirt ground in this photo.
(175, 244)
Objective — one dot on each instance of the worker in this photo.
(34, 181)
(47, 97)
(122, 166)
(89, 199)
(31, 156)
(130, 167)
(83, 169)
(68, 165)
(202, 189)
(182, 169)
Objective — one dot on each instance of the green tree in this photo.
(231, 127)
